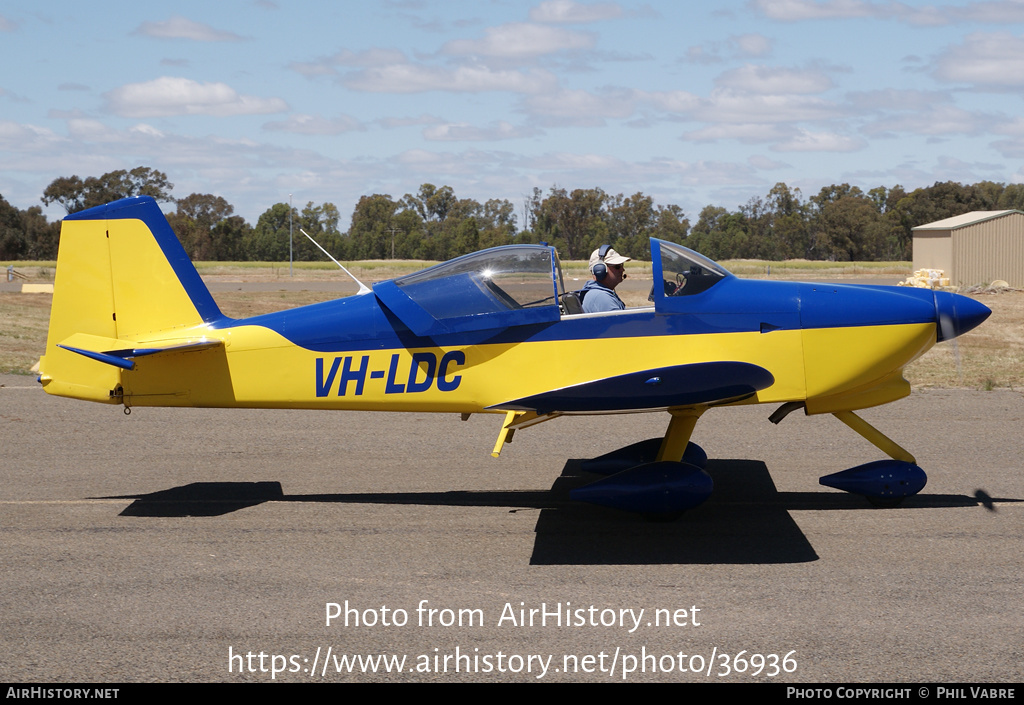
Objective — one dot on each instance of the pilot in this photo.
(607, 267)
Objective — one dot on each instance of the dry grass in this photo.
(366, 271)
(23, 322)
(243, 304)
(797, 269)
(990, 356)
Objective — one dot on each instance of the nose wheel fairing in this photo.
(883, 482)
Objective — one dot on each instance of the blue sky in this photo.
(691, 103)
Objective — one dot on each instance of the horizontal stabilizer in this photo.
(121, 353)
(678, 385)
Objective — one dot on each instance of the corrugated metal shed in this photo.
(974, 248)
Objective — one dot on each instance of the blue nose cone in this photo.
(957, 314)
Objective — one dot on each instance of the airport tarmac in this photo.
(180, 544)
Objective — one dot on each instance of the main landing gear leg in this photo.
(677, 435)
(884, 483)
(663, 489)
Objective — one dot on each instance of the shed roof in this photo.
(963, 220)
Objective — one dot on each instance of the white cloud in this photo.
(578, 107)
(181, 96)
(794, 10)
(520, 40)
(590, 169)
(893, 99)
(390, 123)
(90, 130)
(763, 163)
(985, 11)
(820, 142)
(7, 25)
(454, 132)
(770, 80)
(752, 45)
(315, 125)
(682, 102)
(724, 105)
(178, 27)
(468, 164)
(146, 130)
(743, 46)
(1011, 149)
(990, 60)
(412, 78)
(1006, 12)
(328, 65)
(567, 161)
(932, 120)
(567, 11)
(1014, 127)
(751, 133)
(19, 137)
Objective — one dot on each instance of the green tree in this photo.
(497, 222)
(450, 226)
(194, 222)
(1012, 198)
(572, 222)
(705, 236)
(632, 220)
(74, 194)
(12, 234)
(370, 234)
(847, 229)
(268, 241)
(228, 238)
(321, 222)
(41, 236)
(432, 204)
(672, 225)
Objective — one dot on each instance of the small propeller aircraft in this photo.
(496, 332)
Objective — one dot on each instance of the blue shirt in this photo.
(600, 298)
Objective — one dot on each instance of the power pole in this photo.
(392, 231)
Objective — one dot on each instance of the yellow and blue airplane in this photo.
(496, 332)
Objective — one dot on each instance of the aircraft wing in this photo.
(677, 385)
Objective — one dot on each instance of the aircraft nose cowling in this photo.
(838, 305)
(957, 314)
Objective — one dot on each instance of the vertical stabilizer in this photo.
(121, 276)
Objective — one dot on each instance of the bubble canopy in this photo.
(520, 285)
(502, 286)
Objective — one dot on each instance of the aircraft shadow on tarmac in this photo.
(746, 520)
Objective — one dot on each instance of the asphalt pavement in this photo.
(215, 545)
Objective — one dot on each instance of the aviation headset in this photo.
(600, 270)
